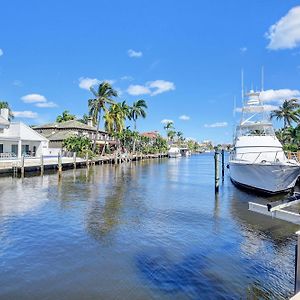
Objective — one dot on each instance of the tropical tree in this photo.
(78, 144)
(4, 104)
(171, 134)
(138, 109)
(288, 111)
(103, 96)
(84, 119)
(65, 116)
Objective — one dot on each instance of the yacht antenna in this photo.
(262, 78)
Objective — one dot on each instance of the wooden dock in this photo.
(24, 165)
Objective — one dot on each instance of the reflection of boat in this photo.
(258, 160)
(174, 152)
(185, 152)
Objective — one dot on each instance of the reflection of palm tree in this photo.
(101, 220)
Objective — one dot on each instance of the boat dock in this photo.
(32, 164)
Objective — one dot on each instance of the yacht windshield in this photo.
(255, 130)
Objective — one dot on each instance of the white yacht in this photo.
(257, 160)
(174, 152)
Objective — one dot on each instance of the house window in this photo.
(14, 149)
(1, 148)
(25, 149)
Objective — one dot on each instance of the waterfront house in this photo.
(151, 134)
(56, 133)
(17, 139)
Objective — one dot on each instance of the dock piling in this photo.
(22, 165)
(217, 175)
(87, 160)
(223, 164)
(74, 160)
(42, 165)
(59, 164)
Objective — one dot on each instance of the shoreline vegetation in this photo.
(119, 121)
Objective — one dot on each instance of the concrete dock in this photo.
(30, 164)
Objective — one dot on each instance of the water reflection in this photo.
(145, 230)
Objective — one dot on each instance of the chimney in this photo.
(90, 122)
(4, 113)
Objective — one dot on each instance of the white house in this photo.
(17, 139)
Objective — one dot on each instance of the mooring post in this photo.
(223, 164)
(217, 175)
(87, 160)
(59, 164)
(74, 160)
(42, 165)
(22, 165)
(297, 264)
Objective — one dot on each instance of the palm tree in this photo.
(169, 125)
(115, 118)
(4, 104)
(171, 134)
(65, 116)
(137, 110)
(84, 119)
(103, 95)
(288, 111)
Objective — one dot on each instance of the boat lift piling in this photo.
(217, 175)
(223, 164)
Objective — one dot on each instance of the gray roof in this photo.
(72, 124)
(59, 135)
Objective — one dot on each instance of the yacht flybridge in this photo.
(258, 160)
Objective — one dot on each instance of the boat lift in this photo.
(276, 210)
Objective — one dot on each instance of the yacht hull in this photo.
(268, 178)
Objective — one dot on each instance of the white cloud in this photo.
(285, 34)
(1, 52)
(151, 87)
(133, 53)
(86, 82)
(136, 90)
(33, 98)
(184, 118)
(160, 86)
(127, 77)
(46, 104)
(243, 49)
(38, 100)
(217, 124)
(278, 95)
(25, 114)
(165, 121)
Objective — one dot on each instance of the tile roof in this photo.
(72, 124)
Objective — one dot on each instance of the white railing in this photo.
(289, 156)
(8, 155)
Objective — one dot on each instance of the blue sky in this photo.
(183, 57)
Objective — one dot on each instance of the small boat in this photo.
(257, 160)
(185, 151)
(174, 152)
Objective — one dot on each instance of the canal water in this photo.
(147, 230)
